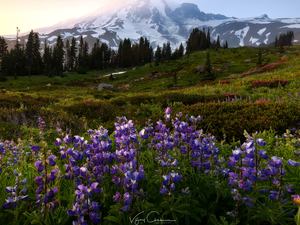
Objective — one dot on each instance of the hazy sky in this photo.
(31, 14)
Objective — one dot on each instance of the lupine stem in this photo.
(236, 211)
(280, 189)
(16, 210)
(87, 200)
(45, 187)
(256, 162)
(132, 203)
(188, 146)
(238, 201)
(1, 159)
(169, 192)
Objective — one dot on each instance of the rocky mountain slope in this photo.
(161, 21)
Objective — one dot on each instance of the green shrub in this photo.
(3, 79)
(22, 100)
(189, 99)
(105, 96)
(232, 119)
(93, 110)
(81, 70)
(9, 131)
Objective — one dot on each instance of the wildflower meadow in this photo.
(163, 152)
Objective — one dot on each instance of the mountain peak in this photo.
(263, 17)
(162, 21)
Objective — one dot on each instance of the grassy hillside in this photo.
(145, 91)
(160, 78)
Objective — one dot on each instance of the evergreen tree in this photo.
(218, 42)
(168, 51)
(141, 50)
(285, 39)
(281, 49)
(150, 55)
(136, 53)
(73, 52)
(259, 58)
(47, 59)
(147, 51)
(82, 56)
(95, 56)
(163, 53)
(105, 54)
(86, 54)
(113, 59)
(180, 51)
(208, 69)
(290, 36)
(189, 45)
(19, 60)
(127, 53)
(67, 57)
(208, 39)
(195, 41)
(120, 54)
(157, 55)
(29, 52)
(3, 49)
(276, 42)
(8, 63)
(58, 56)
(175, 54)
(37, 62)
(203, 43)
(281, 40)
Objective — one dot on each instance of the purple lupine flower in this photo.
(51, 160)
(276, 182)
(95, 217)
(247, 201)
(273, 195)
(261, 142)
(185, 191)
(13, 191)
(164, 190)
(94, 188)
(117, 197)
(277, 162)
(291, 162)
(263, 155)
(168, 110)
(35, 148)
(289, 188)
(264, 191)
(58, 142)
(39, 165)
(143, 134)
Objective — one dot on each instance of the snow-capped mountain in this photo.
(161, 21)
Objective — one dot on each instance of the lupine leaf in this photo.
(213, 219)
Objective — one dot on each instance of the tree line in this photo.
(201, 40)
(29, 59)
(284, 39)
